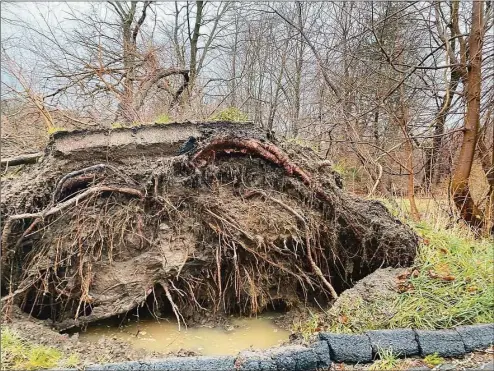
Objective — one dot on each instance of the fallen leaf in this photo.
(448, 278)
(406, 287)
(432, 274)
(443, 269)
(343, 319)
(404, 275)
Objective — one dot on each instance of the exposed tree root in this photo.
(88, 170)
(21, 160)
(313, 265)
(57, 209)
(175, 309)
(102, 239)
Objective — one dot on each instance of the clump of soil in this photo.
(369, 304)
(226, 220)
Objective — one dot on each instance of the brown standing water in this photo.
(163, 336)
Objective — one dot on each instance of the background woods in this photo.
(398, 95)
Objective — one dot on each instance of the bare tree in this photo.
(393, 92)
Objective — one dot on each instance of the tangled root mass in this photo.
(236, 224)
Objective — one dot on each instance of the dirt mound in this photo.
(189, 218)
(369, 305)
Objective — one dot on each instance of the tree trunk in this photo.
(414, 211)
(298, 72)
(487, 161)
(433, 162)
(194, 44)
(125, 112)
(459, 187)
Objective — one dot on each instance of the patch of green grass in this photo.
(163, 119)
(54, 129)
(453, 285)
(117, 125)
(42, 357)
(433, 360)
(308, 327)
(230, 114)
(18, 354)
(355, 315)
(12, 349)
(387, 360)
(72, 361)
(304, 143)
(340, 168)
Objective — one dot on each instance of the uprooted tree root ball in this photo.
(238, 223)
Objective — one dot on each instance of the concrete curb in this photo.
(225, 363)
(347, 348)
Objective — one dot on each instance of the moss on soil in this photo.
(20, 354)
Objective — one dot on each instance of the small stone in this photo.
(446, 367)
(488, 366)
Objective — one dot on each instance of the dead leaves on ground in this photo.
(440, 272)
(343, 319)
(444, 277)
(403, 282)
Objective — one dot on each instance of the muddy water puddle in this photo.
(163, 336)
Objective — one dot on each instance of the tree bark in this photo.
(487, 161)
(460, 184)
(414, 211)
(433, 162)
(194, 43)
